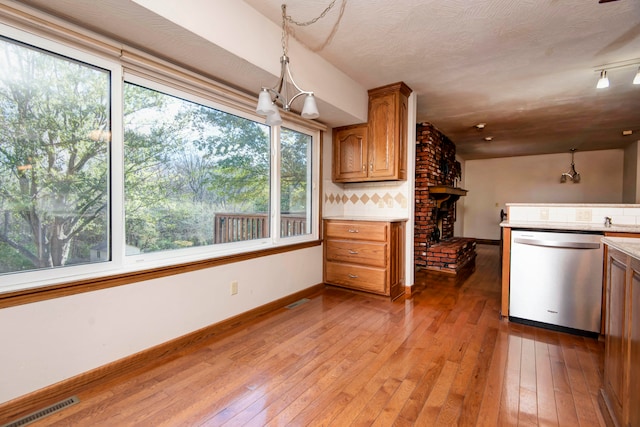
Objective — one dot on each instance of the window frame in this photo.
(128, 64)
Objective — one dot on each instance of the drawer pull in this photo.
(353, 230)
(353, 276)
(352, 252)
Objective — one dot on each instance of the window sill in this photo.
(27, 296)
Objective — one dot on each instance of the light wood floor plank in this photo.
(443, 357)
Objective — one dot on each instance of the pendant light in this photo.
(270, 98)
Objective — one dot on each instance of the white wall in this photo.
(631, 186)
(536, 179)
(49, 341)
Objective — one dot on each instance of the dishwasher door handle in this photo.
(556, 244)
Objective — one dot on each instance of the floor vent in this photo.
(43, 412)
(297, 303)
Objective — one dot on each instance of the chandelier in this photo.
(571, 174)
(283, 93)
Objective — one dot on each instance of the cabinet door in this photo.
(614, 360)
(382, 128)
(350, 151)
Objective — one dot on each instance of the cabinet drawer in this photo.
(357, 230)
(369, 253)
(356, 277)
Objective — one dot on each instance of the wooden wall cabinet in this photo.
(365, 256)
(621, 382)
(350, 153)
(379, 151)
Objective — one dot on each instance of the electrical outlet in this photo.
(544, 214)
(583, 215)
(234, 287)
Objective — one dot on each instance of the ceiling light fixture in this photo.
(269, 98)
(571, 174)
(603, 81)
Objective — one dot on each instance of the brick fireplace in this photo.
(435, 248)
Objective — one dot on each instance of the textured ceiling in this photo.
(526, 68)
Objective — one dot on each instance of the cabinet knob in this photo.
(353, 276)
(371, 167)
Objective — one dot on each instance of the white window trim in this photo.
(138, 67)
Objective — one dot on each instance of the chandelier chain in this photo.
(287, 18)
(314, 20)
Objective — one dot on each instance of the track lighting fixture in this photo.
(603, 81)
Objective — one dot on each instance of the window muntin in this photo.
(55, 116)
(194, 175)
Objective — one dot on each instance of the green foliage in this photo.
(183, 163)
(53, 154)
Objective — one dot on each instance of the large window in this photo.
(54, 160)
(194, 175)
(105, 170)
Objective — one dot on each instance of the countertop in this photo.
(628, 245)
(572, 226)
(367, 218)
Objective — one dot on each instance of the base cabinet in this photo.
(365, 256)
(621, 385)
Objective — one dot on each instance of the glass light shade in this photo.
(265, 105)
(603, 82)
(563, 178)
(636, 79)
(273, 118)
(310, 108)
(576, 178)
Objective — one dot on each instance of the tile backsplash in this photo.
(374, 199)
(575, 213)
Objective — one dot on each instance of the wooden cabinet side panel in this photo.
(633, 336)
(396, 266)
(614, 377)
(402, 131)
(506, 270)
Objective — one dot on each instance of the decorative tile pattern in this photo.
(375, 199)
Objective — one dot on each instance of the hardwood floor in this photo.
(443, 357)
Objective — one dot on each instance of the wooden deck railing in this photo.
(231, 227)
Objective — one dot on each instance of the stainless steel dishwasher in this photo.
(556, 280)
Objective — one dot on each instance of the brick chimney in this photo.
(435, 165)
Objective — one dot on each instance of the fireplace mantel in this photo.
(446, 192)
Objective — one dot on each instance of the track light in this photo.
(603, 82)
(636, 79)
